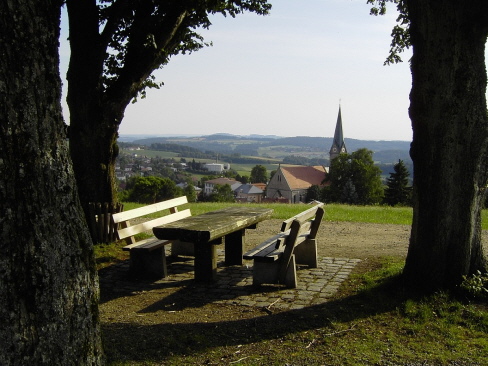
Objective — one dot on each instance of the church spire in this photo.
(338, 145)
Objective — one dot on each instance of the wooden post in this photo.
(234, 247)
(205, 262)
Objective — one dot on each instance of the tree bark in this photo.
(48, 281)
(450, 140)
(97, 109)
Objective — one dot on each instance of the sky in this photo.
(283, 74)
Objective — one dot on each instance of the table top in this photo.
(212, 225)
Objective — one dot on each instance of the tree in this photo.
(152, 189)
(116, 45)
(259, 174)
(48, 282)
(222, 193)
(349, 194)
(450, 137)
(313, 193)
(190, 193)
(398, 192)
(355, 170)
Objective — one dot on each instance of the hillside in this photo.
(385, 152)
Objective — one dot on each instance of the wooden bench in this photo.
(275, 259)
(147, 257)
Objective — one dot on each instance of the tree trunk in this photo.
(450, 140)
(48, 281)
(93, 123)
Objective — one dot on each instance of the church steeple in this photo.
(338, 145)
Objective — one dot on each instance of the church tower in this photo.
(338, 145)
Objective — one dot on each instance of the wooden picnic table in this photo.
(207, 230)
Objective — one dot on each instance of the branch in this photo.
(340, 331)
(148, 47)
(115, 14)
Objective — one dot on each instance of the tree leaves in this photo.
(400, 35)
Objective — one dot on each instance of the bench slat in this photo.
(148, 225)
(149, 209)
(303, 216)
(147, 244)
(271, 242)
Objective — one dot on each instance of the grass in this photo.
(372, 320)
(333, 212)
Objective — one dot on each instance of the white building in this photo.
(215, 167)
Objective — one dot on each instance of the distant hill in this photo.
(385, 152)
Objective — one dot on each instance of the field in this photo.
(371, 319)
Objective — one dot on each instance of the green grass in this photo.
(333, 212)
(153, 153)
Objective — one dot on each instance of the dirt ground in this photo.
(347, 239)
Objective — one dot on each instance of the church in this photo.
(290, 183)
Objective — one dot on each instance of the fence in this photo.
(101, 228)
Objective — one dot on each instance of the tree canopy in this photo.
(116, 45)
(152, 189)
(259, 174)
(354, 179)
(397, 191)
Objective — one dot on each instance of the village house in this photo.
(248, 193)
(292, 182)
(210, 184)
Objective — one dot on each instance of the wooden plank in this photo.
(288, 252)
(146, 243)
(148, 225)
(316, 223)
(92, 221)
(105, 222)
(149, 209)
(212, 225)
(302, 217)
(271, 242)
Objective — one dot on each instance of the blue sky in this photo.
(283, 74)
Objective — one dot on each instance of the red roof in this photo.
(222, 181)
(302, 177)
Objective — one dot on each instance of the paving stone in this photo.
(234, 284)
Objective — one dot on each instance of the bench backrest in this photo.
(126, 231)
(300, 228)
(308, 227)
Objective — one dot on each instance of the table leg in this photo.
(234, 247)
(205, 262)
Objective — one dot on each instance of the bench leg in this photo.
(205, 262)
(268, 273)
(234, 247)
(149, 264)
(306, 253)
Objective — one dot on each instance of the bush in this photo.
(476, 285)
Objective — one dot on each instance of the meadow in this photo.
(333, 212)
